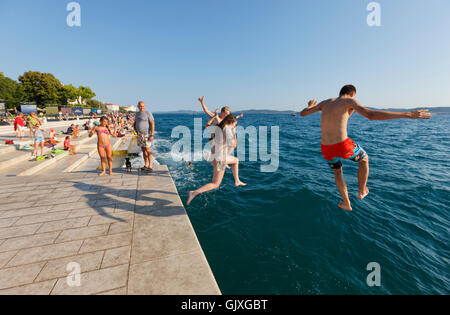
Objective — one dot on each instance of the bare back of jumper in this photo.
(335, 115)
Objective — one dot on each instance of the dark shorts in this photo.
(359, 154)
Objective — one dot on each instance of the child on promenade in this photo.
(52, 134)
(69, 147)
(19, 126)
(51, 141)
(76, 132)
(38, 141)
(33, 121)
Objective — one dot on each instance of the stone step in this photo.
(7, 148)
(7, 161)
(71, 162)
(44, 164)
(92, 163)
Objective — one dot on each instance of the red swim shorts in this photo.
(335, 153)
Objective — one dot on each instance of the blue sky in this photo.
(273, 54)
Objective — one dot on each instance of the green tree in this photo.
(68, 93)
(85, 93)
(95, 104)
(41, 88)
(10, 91)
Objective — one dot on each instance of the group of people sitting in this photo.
(51, 141)
(73, 130)
(35, 126)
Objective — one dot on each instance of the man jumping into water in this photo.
(337, 146)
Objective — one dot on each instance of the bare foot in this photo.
(102, 173)
(192, 195)
(238, 184)
(112, 174)
(364, 194)
(345, 206)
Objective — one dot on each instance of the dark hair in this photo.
(227, 120)
(104, 118)
(347, 90)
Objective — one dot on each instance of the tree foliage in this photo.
(41, 89)
(96, 104)
(85, 93)
(10, 92)
(69, 93)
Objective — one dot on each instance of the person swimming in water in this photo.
(337, 146)
(189, 163)
(223, 146)
(104, 146)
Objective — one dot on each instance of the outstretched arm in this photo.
(387, 115)
(205, 109)
(214, 117)
(312, 108)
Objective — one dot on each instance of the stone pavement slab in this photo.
(128, 234)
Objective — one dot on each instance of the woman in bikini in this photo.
(223, 145)
(104, 143)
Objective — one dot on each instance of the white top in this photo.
(222, 147)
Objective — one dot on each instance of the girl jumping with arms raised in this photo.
(223, 145)
(104, 146)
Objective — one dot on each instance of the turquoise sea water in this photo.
(284, 234)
